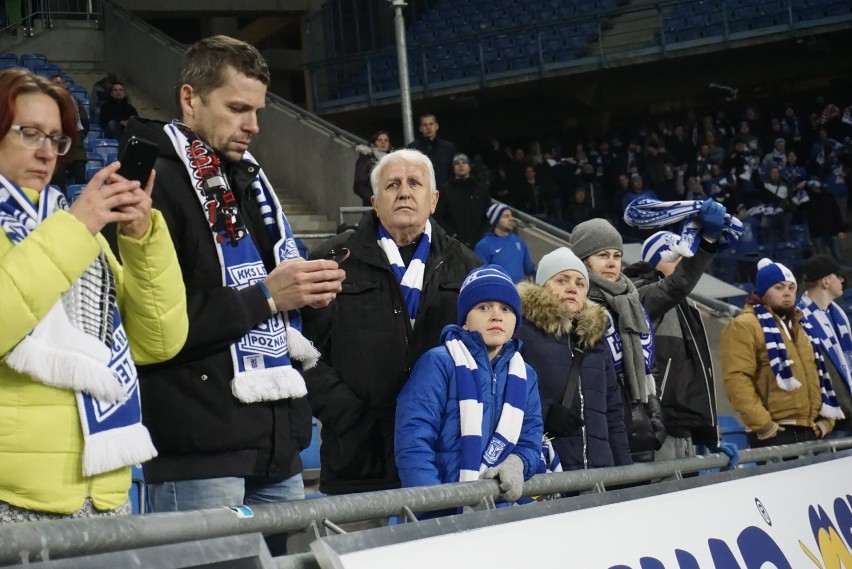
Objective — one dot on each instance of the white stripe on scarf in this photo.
(261, 359)
(474, 461)
(410, 279)
(779, 361)
(821, 333)
(81, 345)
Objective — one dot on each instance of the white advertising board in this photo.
(793, 519)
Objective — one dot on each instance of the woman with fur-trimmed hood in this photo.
(560, 320)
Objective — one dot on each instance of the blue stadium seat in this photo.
(801, 234)
(72, 192)
(30, 60)
(137, 491)
(725, 267)
(90, 173)
(788, 253)
(103, 147)
(47, 70)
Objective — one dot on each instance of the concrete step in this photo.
(300, 225)
(303, 218)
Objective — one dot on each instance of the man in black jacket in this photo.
(461, 211)
(228, 414)
(402, 281)
(439, 150)
(686, 387)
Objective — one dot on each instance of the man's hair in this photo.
(205, 62)
(426, 116)
(405, 155)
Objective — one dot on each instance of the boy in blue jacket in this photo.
(471, 407)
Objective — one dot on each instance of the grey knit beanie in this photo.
(594, 235)
(558, 260)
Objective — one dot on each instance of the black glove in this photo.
(562, 421)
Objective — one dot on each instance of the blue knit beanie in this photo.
(488, 282)
(494, 213)
(769, 274)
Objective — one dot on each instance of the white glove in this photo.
(510, 473)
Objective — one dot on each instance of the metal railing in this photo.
(46, 12)
(30, 542)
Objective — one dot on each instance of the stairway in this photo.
(305, 221)
(633, 30)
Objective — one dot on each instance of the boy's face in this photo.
(494, 320)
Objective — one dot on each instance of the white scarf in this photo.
(81, 345)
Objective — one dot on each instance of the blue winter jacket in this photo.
(428, 427)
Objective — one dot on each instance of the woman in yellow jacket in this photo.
(73, 319)
(771, 374)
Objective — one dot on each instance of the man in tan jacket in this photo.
(769, 367)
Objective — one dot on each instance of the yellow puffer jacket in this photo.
(41, 438)
(750, 383)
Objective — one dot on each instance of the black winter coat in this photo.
(368, 349)
(547, 335)
(199, 428)
(441, 152)
(685, 369)
(461, 210)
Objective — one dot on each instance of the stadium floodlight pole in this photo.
(402, 61)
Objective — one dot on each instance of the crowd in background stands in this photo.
(771, 167)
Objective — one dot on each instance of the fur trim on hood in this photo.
(546, 313)
(364, 149)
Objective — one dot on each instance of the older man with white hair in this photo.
(403, 276)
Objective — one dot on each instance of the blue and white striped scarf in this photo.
(836, 342)
(81, 345)
(410, 279)
(781, 363)
(550, 461)
(473, 460)
(648, 213)
(261, 359)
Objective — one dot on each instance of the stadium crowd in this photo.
(423, 365)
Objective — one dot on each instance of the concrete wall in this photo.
(73, 45)
(210, 6)
(302, 155)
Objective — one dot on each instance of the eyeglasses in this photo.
(34, 138)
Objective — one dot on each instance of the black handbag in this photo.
(637, 420)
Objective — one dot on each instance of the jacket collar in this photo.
(546, 313)
(364, 239)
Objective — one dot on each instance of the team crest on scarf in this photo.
(261, 359)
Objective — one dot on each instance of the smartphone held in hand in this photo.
(137, 159)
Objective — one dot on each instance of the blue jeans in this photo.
(183, 495)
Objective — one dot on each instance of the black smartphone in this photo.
(137, 159)
(337, 255)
